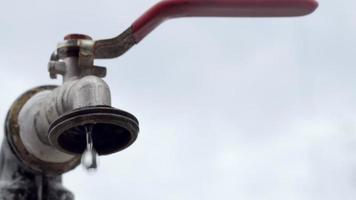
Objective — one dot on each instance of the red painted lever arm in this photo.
(167, 9)
(218, 8)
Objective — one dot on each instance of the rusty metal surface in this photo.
(17, 183)
(86, 50)
(77, 36)
(114, 47)
(74, 58)
(28, 160)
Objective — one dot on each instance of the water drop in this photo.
(89, 157)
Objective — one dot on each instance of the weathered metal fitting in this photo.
(95, 71)
(60, 68)
(77, 36)
(18, 146)
(75, 48)
(32, 114)
(114, 47)
(74, 58)
(55, 68)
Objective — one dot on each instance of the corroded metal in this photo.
(18, 183)
(27, 159)
(74, 57)
(114, 47)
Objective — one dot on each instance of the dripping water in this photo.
(90, 156)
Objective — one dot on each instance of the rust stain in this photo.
(12, 133)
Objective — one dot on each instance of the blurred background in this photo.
(229, 108)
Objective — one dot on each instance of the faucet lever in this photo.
(169, 9)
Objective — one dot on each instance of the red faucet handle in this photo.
(168, 9)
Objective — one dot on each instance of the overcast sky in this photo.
(229, 108)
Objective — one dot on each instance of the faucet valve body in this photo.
(73, 58)
(46, 127)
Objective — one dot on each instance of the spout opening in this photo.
(107, 138)
(113, 130)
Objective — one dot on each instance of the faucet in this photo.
(49, 128)
(51, 120)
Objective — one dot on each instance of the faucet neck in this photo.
(73, 60)
(72, 69)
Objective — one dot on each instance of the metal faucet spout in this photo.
(46, 125)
